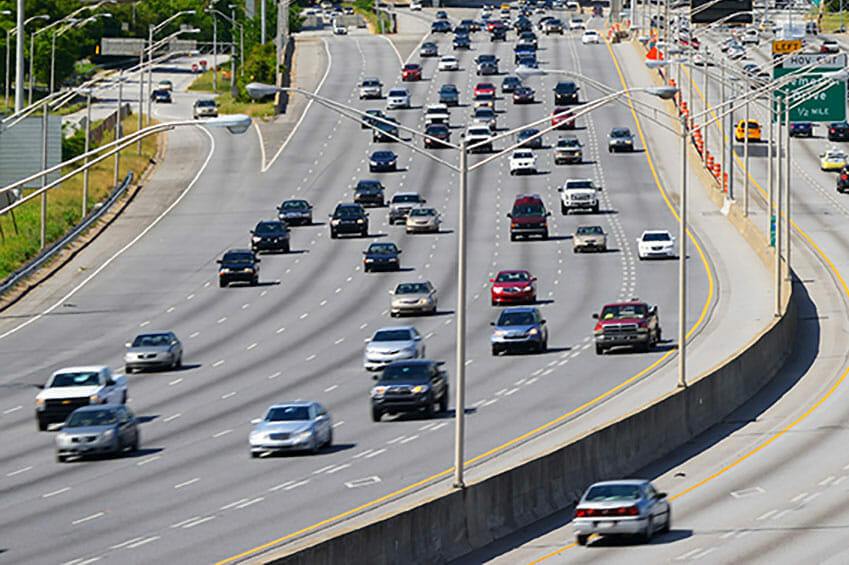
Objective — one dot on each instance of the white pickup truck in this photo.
(578, 194)
(437, 114)
(68, 389)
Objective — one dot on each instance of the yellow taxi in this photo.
(505, 7)
(754, 131)
(833, 160)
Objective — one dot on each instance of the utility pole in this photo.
(262, 22)
(19, 59)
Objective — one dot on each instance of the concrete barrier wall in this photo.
(451, 525)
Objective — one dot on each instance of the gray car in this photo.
(292, 426)
(423, 220)
(96, 430)
(626, 507)
(392, 344)
(413, 298)
(620, 139)
(205, 108)
(153, 350)
(401, 204)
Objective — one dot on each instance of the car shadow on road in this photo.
(624, 541)
(336, 448)
(267, 283)
(143, 451)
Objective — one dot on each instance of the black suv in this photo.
(566, 92)
(838, 131)
(347, 219)
(272, 235)
(369, 192)
(238, 265)
(417, 385)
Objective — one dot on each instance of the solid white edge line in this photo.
(304, 115)
(121, 251)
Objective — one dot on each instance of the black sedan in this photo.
(383, 130)
(368, 118)
(523, 95)
(381, 257)
(369, 192)
(348, 219)
(410, 386)
(381, 161)
(462, 42)
(295, 211)
(272, 235)
(838, 131)
(524, 137)
(161, 95)
(440, 132)
(843, 180)
(510, 83)
(498, 33)
(238, 265)
(440, 26)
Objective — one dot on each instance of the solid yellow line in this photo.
(524, 436)
(790, 426)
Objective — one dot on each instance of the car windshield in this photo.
(81, 378)
(484, 86)
(348, 212)
(397, 92)
(479, 132)
(656, 236)
(369, 185)
(152, 340)
(295, 205)
(406, 372)
(569, 142)
(620, 132)
(624, 311)
(85, 418)
(206, 103)
(371, 82)
(382, 248)
(448, 88)
(524, 134)
(288, 414)
(239, 257)
(515, 319)
(484, 113)
(512, 80)
(513, 277)
(383, 155)
(523, 155)
(393, 335)
(529, 210)
(270, 227)
(411, 288)
(411, 67)
(406, 198)
(565, 87)
(484, 96)
(590, 230)
(423, 212)
(601, 493)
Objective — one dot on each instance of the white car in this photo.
(392, 344)
(655, 244)
(398, 98)
(340, 30)
(577, 23)
(416, 6)
(423, 220)
(750, 36)
(523, 161)
(371, 88)
(627, 507)
(449, 63)
(590, 36)
(479, 134)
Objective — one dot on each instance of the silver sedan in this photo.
(97, 429)
(392, 344)
(423, 220)
(627, 507)
(413, 298)
(153, 350)
(292, 426)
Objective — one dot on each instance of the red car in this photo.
(411, 71)
(513, 287)
(484, 88)
(565, 119)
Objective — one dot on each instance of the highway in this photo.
(768, 484)
(193, 489)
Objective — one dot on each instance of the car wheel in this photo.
(60, 458)
(581, 539)
(595, 209)
(564, 211)
(649, 531)
(365, 269)
(254, 454)
(329, 441)
(364, 233)
(430, 409)
(222, 284)
(513, 237)
(128, 370)
(135, 445)
(667, 525)
(545, 235)
(376, 414)
(494, 350)
(332, 234)
(443, 402)
(599, 350)
(609, 149)
(42, 423)
(255, 281)
(124, 397)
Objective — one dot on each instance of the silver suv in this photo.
(402, 203)
(371, 88)
(205, 108)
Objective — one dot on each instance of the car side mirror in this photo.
(533, 279)
(559, 189)
(595, 316)
(218, 261)
(509, 215)
(599, 189)
(542, 321)
(374, 377)
(365, 252)
(257, 260)
(548, 213)
(661, 495)
(110, 382)
(492, 323)
(252, 232)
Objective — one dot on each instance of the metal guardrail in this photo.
(37, 262)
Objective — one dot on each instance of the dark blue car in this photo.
(381, 161)
(801, 129)
(519, 328)
(381, 257)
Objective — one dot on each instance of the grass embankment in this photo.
(22, 236)
(365, 8)
(830, 23)
(224, 98)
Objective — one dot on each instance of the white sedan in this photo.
(449, 63)
(415, 6)
(523, 161)
(655, 244)
(398, 98)
(577, 23)
(590, 36)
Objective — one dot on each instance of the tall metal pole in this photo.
(723, 135)
(777, 266)
(460, 419)
(682, 263)
(233, 52)
(242, 48)
(214, 52)
(787, 167)
(262, 24)
(52, 60)
(31, 56)
(19, 59)
(770, 164)
(707, 114)
(118, 125)
(87, 149)
(149, 71)
(746, 158)
(44, 177)
(8, 33)
(141, 95)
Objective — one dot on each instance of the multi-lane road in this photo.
(193, 488)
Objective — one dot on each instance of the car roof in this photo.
(528, 198)
(523, 309)
(511, 271)
(93, 407)
(390, 328)
(415, 362)
(621, 482)
(80, 369)
(154, 333)
(290, 404)
(238, 250)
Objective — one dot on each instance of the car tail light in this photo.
(627, 511)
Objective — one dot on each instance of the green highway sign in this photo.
(826, 106)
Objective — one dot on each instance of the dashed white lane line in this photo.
(194, 335)
(280, 486)
(489, 402)
(826, 480)
(228, 395)
(304, 315)
(281, 330)
(409, 439)
(311, 357)
(296, 485)
(364, 326)
(176, 381)
(322, 303)
(222, 433)
(218, 363)
(150, 459)
(331, 388)
(338, 468)
(19, 471)
(198, 522)
(169, 310)
(275, 375)
(221, 320)
(87, 518)
(810, 497)
(172, 417)
(187, 483)
(124, 543)
(13, 409)
(766, 515)
(439, 425)
(245, 306)
(338, 341)
(799, 497)
(250, 502)
(189, 297)
(142, 542)
(55, 492)
(251, 346)
(145, 323)
(376, 453)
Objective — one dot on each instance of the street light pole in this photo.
(118, 126)
(86, 150)
(214, 52)
(460, 419)
(44, 178)
(787, 164)
(19, 59)
(233, 51)
(778, 244)
(746, 158)
(682, 262)
(262, 25)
